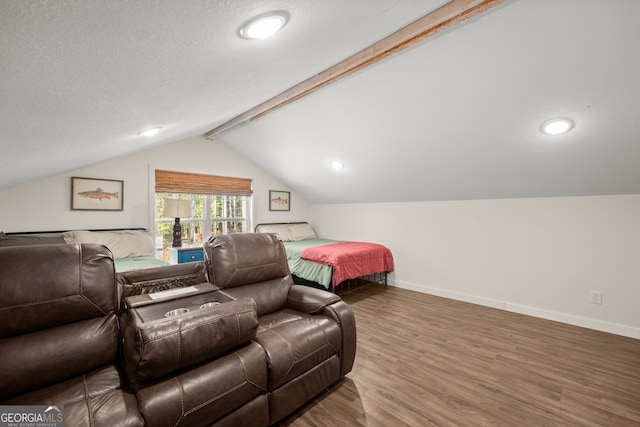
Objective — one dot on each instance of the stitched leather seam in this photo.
(41, 302)
(86, 399)
(196, 325)
(237, 328)
(179, 351)
(81, 283)
(290, 352)
(314, 352)
(215, 398)
(326, 339)
(320, 304)
(182, 413)
(86, 395)
(142, 344)
(246, 375)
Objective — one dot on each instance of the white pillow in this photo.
(122, 243)
(302, 231)
(280, 230)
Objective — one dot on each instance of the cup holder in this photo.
(209, 304)
(176, 312)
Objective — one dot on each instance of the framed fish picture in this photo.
(91, 194)
(279, 200)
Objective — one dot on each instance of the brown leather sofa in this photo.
(260, 349)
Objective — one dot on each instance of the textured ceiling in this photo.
(79, 78)
(455, 117)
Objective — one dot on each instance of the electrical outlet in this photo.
(595, 297)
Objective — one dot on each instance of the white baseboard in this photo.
(598, 325)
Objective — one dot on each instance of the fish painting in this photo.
(99, 194)
(280, 201)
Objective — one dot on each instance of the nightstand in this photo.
(182, 255)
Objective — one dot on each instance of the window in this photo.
(211, 214)
(219, 205)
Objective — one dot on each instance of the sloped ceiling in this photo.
(454, 117)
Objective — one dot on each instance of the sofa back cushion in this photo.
(57, 314)
(257, 259)
(52, 285)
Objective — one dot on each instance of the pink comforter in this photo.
(351, 259)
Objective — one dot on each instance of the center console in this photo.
(167, 331)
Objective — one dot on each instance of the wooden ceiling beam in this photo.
(448, 15)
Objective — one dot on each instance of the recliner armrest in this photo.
(342, 313)
(310, 300)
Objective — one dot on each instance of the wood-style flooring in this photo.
(428, 361)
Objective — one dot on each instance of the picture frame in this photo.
(279, 200)
(94, 194)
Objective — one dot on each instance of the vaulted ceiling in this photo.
(455, 116)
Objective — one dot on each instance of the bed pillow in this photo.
(122, 243)
(302, 232)
(280, 230)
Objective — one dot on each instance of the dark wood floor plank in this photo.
(428, 361)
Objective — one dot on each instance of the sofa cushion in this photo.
(160, 347)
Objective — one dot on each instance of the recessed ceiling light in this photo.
(337, 165)
(264, 25)
(557, 126)
(149, 132)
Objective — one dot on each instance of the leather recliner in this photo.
(308, 335)
(59, 338)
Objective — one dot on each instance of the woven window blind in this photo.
(182, 182)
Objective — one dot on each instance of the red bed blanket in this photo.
(351, 259)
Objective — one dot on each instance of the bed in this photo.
(132, 249)
(335, 265)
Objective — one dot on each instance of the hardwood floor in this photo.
(428, 361)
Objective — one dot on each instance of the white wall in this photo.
(46, 204)
(533, 256)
